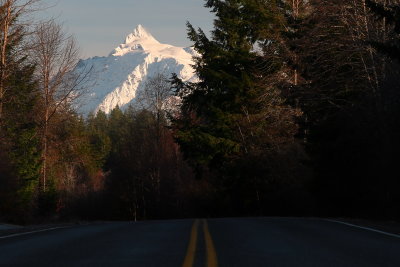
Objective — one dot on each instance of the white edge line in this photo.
(32, 232)
(364, 228)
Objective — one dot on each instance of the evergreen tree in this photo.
(234, 121)
(18, 127)
(97, 127)
(22, 133)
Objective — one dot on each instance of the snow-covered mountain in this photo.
(115, 79)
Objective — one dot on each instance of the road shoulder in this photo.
(10, 230)
(391, 227)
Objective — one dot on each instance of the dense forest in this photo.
(296, 112)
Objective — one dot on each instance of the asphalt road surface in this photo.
(215, 242)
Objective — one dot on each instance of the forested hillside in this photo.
(296, 111)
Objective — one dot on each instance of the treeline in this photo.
(297, 107)
(45, 155)
(296, 112)
(146, 177)
(56, 164)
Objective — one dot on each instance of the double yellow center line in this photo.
(210, 249)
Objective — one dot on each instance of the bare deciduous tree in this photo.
(157, 97)
(55, 55)
(299, 9)
(155, 94)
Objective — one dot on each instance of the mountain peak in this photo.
(118, 77)
(140, 39)
(139, 33)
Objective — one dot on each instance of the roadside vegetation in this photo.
(296, 112)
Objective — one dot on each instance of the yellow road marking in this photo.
(189, 259)
(211, 253)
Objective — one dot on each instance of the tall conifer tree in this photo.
(18, 130)
(234, 121)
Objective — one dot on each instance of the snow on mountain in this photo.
(116, 79)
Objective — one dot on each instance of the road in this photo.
(214, 242)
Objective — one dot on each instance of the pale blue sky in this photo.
(101, 25)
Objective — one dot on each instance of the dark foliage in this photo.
(296, 112)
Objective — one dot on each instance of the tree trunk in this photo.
(295, 14)
(3, 67)
(45, 133)
(44, 151)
